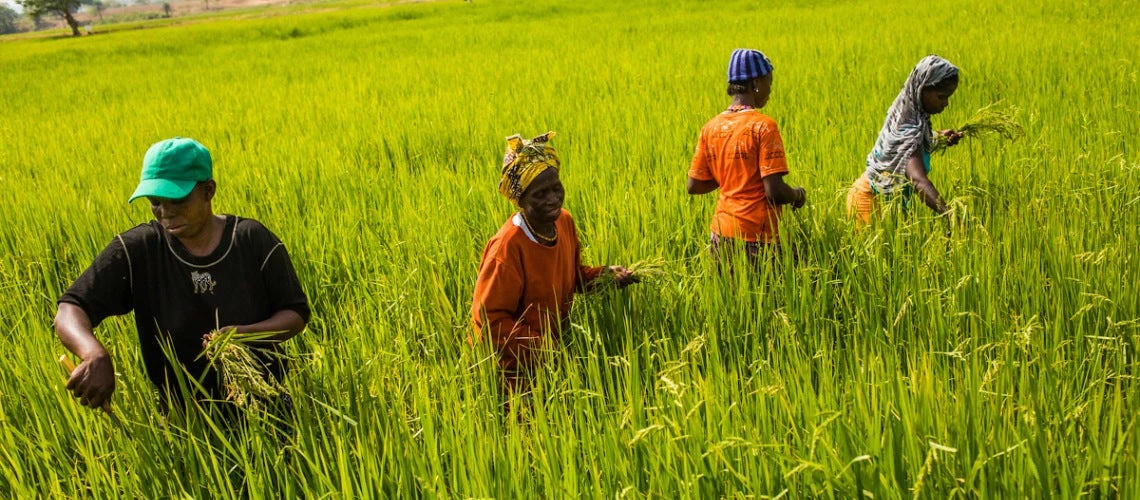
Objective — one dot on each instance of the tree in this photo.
(39, 24)
(99, 7)
(62, 8)
(8, 18)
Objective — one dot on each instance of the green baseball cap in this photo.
(172, 168)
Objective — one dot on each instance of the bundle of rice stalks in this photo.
(649, 270)
(988, 120)
(243, 375)
(646, 271)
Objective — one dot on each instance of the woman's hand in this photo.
(952, 136)
(208, 336)
(801, 197)
(93, 381)
(623, 277)
(282, 326)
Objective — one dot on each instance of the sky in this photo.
(12, 4)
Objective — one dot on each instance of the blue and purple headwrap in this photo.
(746, 65)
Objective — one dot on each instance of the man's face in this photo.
(186, 217)
(542, 200)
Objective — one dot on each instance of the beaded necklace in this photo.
(738, 107)
(548, 239)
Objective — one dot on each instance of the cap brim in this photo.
(163, 188)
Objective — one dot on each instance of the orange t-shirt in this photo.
(525, 290)
(738, 149)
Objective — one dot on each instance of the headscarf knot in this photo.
(523, 162)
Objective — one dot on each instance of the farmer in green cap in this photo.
(184, 274)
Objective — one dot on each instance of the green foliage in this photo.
(65, 9)
(9, 20)
(997, 362)
(49, 7)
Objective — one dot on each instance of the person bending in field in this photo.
(740, 152)
(184, 274)
(532, 267)
(900, 160)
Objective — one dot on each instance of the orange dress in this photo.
(525, 290)
(861, 204)
(738, 149)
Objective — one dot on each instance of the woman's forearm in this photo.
(696, 187)
(916, 173)
(930, 196)
(73, 327)
(285, 321)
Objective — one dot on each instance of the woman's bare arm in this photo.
(916, 172)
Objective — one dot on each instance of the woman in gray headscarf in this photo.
(901, 157)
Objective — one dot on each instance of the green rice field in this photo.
(992, 353)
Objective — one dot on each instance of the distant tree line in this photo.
(9, 20)
(65, 9)
(36, 13)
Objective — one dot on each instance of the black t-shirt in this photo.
(177, 297)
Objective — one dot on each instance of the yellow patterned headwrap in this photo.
(523, 162)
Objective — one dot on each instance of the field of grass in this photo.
(998, 359)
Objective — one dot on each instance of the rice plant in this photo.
(988, 120)
(998, 360)
(243, 374)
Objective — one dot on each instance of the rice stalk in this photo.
(243, 375)
(988, 120)
(647, 271)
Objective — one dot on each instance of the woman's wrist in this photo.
(94, 352)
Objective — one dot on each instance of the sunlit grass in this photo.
(988, 353)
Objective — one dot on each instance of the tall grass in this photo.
(899, 361)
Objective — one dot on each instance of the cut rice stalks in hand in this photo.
(646, 271)
(989, 120)
(244, 377)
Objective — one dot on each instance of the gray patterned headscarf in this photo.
(907, 127)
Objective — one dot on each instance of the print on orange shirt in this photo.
(738, 149)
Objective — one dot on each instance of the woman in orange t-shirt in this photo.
(741, 153)
(532, 267)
